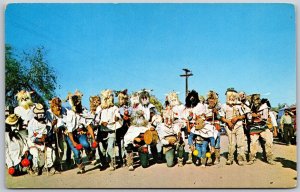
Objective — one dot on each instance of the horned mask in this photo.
(173, 99)
(231, 97)
(122, 97)
(75, 101)
(107, 99)
(24, 99)
(95, 101)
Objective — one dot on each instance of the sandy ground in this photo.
(258, 175)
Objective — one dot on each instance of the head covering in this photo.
(38, 108)
(12, 119)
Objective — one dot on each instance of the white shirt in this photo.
(146, 110)
(108, 115)
(75, 121)
(199, 109)
(36, 129)
(14, 150)
(230, 112)
(61, 121)
(164, 131)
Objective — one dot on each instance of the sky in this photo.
(92, 47)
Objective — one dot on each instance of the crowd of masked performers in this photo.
(113, 135)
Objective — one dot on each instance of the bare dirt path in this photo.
(258, 175)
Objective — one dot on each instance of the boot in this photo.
(203, 162)
(251, 159)
(240, 160)
(230, 159)
(180, 162)
(189, 161)
(112, 166)
(129, 161)
(217, 156)
(229, 162)
(270, 160)
(81, 168)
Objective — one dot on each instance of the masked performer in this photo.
(178, 122)
(18, 158)
(193, 108)
(24, 109)
(125, 112)
(233, 115)
(57, 119)
(258, 128)
(40, 141)
(77, 127)
(110, 121)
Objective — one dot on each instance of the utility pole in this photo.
(187, 74)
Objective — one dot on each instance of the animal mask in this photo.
(199, 123)
(122, 97)
(75, 101)
(242, 96)
(107, 99)
(255, 100)
(201, 99)
(168, 117)
(212, 99)
(55, 106)
(24, 99)
(231, 97)
(173, 99)
(144, 97)
(192, 99)
(95, 101)
(134, 99)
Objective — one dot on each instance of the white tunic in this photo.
(164, 131)
(109, 115)
(36, 130)
(146, 110)
(230, 112)
(75, 121)
(14, 150)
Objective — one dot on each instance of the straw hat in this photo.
(38, 108)
(12, 119)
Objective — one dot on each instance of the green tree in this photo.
(32, 73)
(156, 103)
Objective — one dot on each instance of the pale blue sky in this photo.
(250, 47)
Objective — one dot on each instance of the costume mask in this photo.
(134, 100)
(55, 106)
(122, 97)
(107, 99)
(231, 97)
(255, 100)
(144, 97)
(168, 117)
(24, 99)
(192, 99)
(173, 99)
(95, 101)
(75, 101)
(242, 96)
(212, 99)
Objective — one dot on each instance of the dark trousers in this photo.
(288, 133)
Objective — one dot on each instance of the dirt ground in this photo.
(258, 175)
